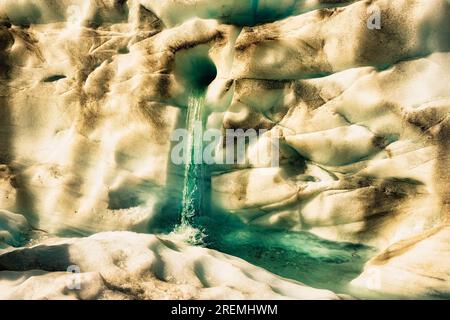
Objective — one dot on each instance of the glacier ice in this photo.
(91, 91)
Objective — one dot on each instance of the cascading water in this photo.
(194, 172)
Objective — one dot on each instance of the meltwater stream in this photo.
(193, 184)
(193, 174)
(296, 255)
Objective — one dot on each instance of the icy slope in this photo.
(366, 152)
(417, 267)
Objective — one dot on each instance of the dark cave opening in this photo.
(195, 68)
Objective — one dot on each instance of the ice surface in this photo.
(91, 91)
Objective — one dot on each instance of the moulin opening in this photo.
(195, 69)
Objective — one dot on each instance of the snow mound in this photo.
(128, 265)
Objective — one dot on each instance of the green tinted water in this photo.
(194, 173)
(300, 256)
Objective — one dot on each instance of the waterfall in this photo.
(193, 172)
